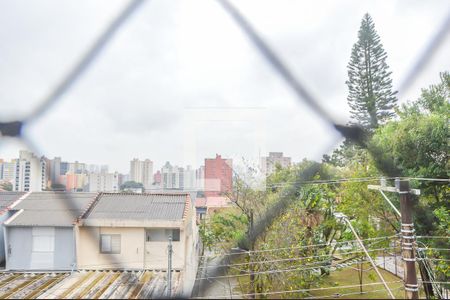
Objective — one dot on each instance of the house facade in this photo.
(40, 234)
(7, 202)
(131, 231)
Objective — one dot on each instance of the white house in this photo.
(131, 232)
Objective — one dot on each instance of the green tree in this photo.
(7, 186)
(131, 185)
(418, 145)
(370, 97)
(57, 187)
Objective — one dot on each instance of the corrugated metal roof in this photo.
(140, 284)
(8, 198)
(51, 208)
(139, 206)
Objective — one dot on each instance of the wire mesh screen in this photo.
(270, 60)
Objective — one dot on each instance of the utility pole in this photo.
(252, 247)
(407, 230)
(169, 268)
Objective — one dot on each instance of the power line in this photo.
(432, 237)
(301, 290)
(302, 247)
(351, 180)
(353, 293)
(322, 265)
(296, 258)
(433, 259)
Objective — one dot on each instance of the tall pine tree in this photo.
(371, 98)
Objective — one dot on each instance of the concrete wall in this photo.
(64, 249)
(19, 242)
(5, 216)
(131, 255)
(135, 252)
(192, 250)
(19, 250)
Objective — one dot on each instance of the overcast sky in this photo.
(180, 81)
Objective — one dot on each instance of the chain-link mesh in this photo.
(353, 133)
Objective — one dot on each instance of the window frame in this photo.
(111, 236)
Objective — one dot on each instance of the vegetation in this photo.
(7, 186)
(292, 215)
(370, 97)
(285, 222)
(57, 187)
(131, 185)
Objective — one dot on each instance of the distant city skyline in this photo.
(156, 166)
(171, 88)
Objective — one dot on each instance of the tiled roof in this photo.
(120, 206)
(51, 209)
(8, 198)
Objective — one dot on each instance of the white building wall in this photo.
(147, 173)
(268, 163)
(30, 173)
(9, 171)
(142, 171)
(189, 178)
(104, 182)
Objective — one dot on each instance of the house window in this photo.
(110, 243)
(175, 233)
(162, 235)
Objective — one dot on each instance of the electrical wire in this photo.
(322, 265)
(353, 293)
(297, 258)
(301, 290)
(302, 247)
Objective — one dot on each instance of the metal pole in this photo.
(169, 268)
(395, 260)
(390, 203)
(407, 230)
(360, 274)
(252, 246)
(368, 256)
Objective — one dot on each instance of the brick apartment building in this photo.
(218, 176)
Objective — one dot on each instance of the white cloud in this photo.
(175, 56)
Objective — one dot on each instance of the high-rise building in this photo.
(77, 168)
(74, 182)
(9, 171)
(157, 178)
(30, 173)
(123, 178)
(64, 168)
(218, 176)
(189, 178)
(269, 163)
(104, 182)
(172, 177)
(142, 171)
(200, 178)
(55, 169)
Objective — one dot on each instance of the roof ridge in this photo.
(89, 207)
